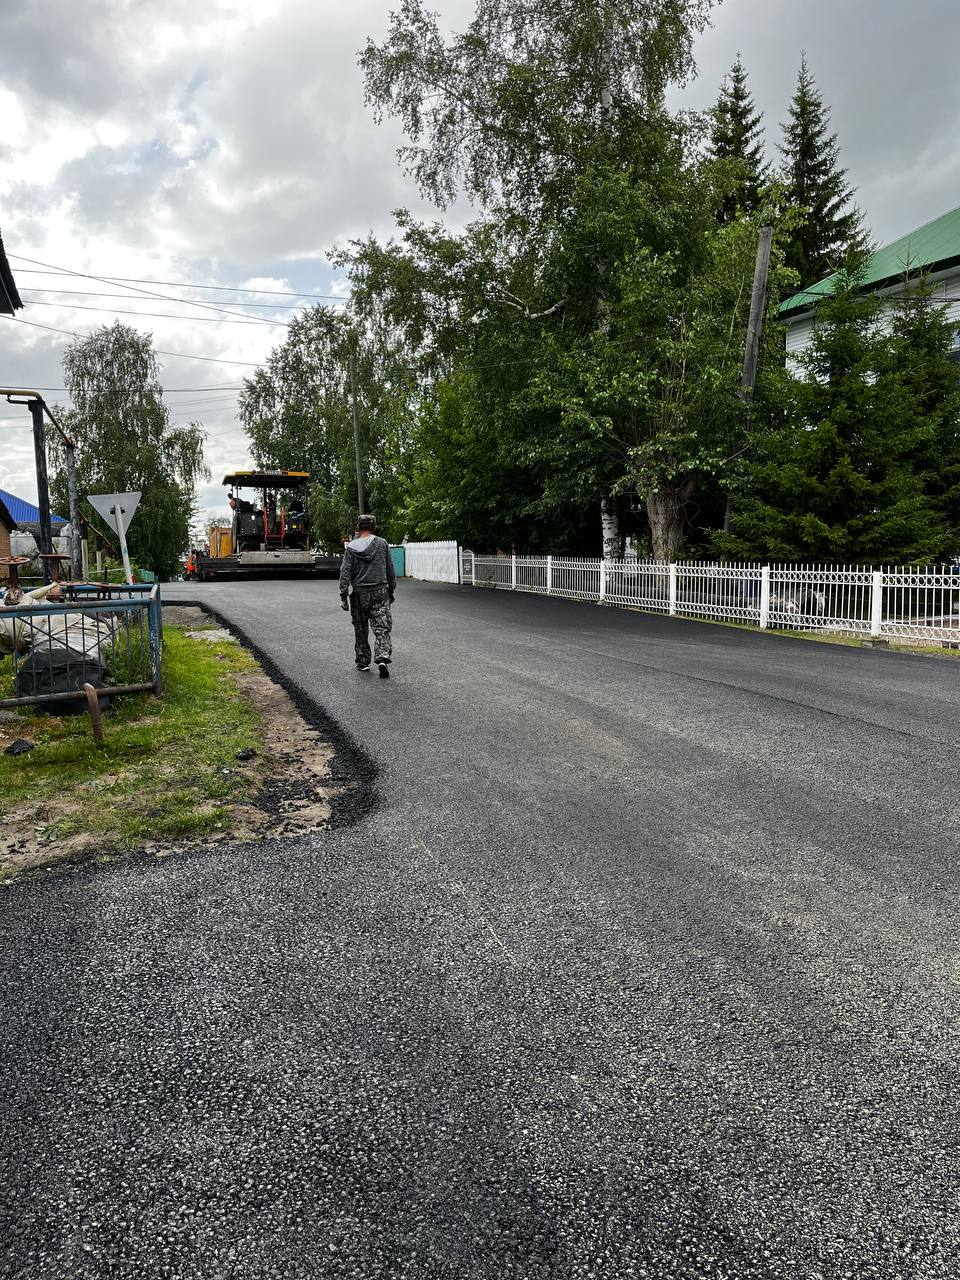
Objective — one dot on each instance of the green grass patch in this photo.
(168, 767)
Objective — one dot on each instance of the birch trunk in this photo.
(610, 524)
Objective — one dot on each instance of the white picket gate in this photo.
(433, 561)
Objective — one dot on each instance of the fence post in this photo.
(603, 581)
(673, 590)
(155, 628)
(473, 568)
(876, 602)
(549, 575)
(765, 597)
(513, 572)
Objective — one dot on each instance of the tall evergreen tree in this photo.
(923, 400)
(844, 476)
(816, 185)
(737, 137)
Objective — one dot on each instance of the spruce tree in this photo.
(737, 137)
(830, 223)
(840, 479)
(923, 404)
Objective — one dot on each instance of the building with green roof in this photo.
(933, 249)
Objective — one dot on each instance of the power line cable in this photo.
(72, 333)
(147, 293)
(182, 284)
(167, 391)
(155, 315)
(99, 293)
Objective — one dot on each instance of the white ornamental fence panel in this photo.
(433, 561)
(899, 603)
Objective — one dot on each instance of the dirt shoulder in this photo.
(225, 753)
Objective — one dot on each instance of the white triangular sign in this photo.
(107, 504)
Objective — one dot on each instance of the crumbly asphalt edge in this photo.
(351, 765)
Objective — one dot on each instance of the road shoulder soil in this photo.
(285, 787)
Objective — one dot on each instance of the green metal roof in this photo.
(932, 247)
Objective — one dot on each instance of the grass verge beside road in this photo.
(167, 769)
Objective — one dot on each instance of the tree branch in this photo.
(497, 293)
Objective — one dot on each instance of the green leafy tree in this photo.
(816, 184)
(661, 390)
(838, 479)
(544, 116)
(297, 412)
(508, 110)
(736, 139)
(125, 441)
(546, 409)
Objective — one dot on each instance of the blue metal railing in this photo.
(110, 637)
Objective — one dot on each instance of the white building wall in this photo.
(800, 329)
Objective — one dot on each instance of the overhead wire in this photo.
(146, 293)
(99, 293)
(153, 315)
(168, 390)
(72, 333)
(182, 284)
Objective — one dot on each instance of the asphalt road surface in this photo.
(641, 961)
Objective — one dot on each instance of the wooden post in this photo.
(93, 705)
(77, 568)
(361, 500)
(43, 489)
(751, 355)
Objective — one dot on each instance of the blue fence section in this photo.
(110, 638)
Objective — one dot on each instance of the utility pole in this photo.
(361, 502)
(43, 491)
(751, 356)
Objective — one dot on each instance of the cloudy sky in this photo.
(227, 143)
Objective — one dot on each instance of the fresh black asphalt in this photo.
(639, 958)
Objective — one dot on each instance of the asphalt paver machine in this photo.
(270, 532)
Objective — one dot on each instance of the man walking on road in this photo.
(368, 569)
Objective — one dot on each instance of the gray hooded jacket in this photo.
(367, 564)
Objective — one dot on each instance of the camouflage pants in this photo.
(371, 609)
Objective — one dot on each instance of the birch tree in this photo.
(126, 442)
(519, 110)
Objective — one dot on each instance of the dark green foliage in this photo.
(297, 412)
(551, 119)
(124, 441)
(849, 472)
(580, 343)
(922, 382)
(736, 140)
(816, 185)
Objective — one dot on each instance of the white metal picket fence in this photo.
(898, 603)
(433, 561)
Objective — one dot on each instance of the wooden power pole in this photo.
(361, 502)
(751, 356)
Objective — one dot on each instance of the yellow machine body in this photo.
(221, 542)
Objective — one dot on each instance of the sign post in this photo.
(117, 509)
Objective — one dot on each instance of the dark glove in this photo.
(392, 598)
(345, 604)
